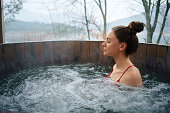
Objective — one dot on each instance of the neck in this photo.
(122, 61)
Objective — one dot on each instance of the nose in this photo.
(104, 43)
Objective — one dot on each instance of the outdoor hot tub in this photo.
(68, 77)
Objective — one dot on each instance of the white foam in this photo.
(69, 88)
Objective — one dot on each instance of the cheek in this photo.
(113, 48)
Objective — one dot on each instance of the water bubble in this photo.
(78, 88)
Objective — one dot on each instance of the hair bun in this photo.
(136, 26)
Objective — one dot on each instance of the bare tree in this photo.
(11, 8)
(87, 17)
(82, 14)
(52, 22)
(166, 40)
(164, 20)
(148, 7)
(87, 26)
(104, 14)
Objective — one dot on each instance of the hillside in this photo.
(29, 16)
(142, 35)
(20, 31)
(138, 17)
(125, 21)
(20, 26)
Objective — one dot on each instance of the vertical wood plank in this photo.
(29, 55)
(140, 59)
(38, 53)
(94, 51)
(76, 52)
(19, 56)
(1, 62)
(85, 51)
(14, 56)
(101, 56)
(67, 52)
(151, 56)
(57, 52)
(167, 68)
(161, 57)
(48, 53)
(62, 51)
(133, 58)
(9, 57)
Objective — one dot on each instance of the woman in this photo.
(120, 43)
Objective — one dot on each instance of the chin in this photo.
(105, 54)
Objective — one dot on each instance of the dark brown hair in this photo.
(127, 34)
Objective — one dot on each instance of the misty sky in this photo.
(117, 9)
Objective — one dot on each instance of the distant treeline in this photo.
(21, 26)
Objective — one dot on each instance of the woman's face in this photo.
(111, 46)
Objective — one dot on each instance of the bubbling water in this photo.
(78, 88)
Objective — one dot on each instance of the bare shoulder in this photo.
(134, 72)
(133, 77)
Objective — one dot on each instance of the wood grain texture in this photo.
(57, 52)
(29, 55)
(161, 57)
(48, 53)
(23, 55)
(76, 52)
(151, 56)
(68, 52)
(19, 56)
(167, 68)
(39, 53)
(101, 56)
(140, 58)
(1, 61)
(94, 52)
(9, 56)
(84, 51)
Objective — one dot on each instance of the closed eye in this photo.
(108, 40)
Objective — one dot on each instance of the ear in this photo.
(123, 46)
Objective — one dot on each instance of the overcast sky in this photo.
(117, 9)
